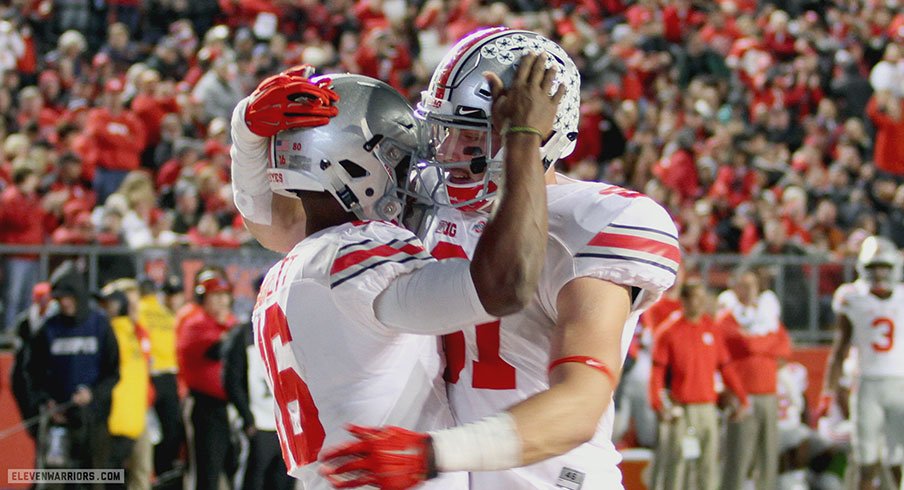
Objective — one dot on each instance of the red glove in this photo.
(290, 101)
(390, 458)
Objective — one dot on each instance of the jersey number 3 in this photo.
(490, 371)
(301, 433)
(885, 340)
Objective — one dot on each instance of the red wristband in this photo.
(588, 361)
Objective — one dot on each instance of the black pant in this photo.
(265, 467)
(172, 432)
(118, 452)
(211, 442)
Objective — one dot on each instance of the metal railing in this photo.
(804, 284)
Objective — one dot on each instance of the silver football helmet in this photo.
(456, 110)
(361, 157)
(875, 252)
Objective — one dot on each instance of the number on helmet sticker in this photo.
(301, 434)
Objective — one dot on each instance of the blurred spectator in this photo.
(12, 47)
(73, 365)
(152, 103)
(132, 394)
(692, 348)
(886, 75)
(34, 111)
(756, 340)
(116, 139)
(121, 50)
(218, 90)
(23, 222)
(791, 276)
(700, 60)
(886, 110)
(158, 318)
(850, 87)
(245, 381)
(27, 325)
(198, 348)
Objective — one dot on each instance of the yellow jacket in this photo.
(130, 395)
(160, 324)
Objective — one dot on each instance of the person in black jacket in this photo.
(27, 324)
(245, 381)
(74, 358)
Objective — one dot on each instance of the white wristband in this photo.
(250, 185)
(489, 444)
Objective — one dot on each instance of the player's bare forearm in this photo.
(509, 257)
(592, 315)
(841, 346)
(287, 226)
(562, 418)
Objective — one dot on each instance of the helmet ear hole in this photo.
(369, 192)
(354, 170)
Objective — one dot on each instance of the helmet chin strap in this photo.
(343, 193)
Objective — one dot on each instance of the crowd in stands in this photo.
(736, 113)
(766, 127)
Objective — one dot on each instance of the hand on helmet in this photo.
(390, 458)
(290, 101)
(526, 103)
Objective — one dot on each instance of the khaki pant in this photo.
(752, 444)
(141, 463)
(699, 421)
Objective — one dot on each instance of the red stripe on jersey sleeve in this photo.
(640, 244)
(620, 191)
(356, 257)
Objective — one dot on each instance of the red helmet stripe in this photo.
(459, 53)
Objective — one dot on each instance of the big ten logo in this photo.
(447, 228)
(275, 177)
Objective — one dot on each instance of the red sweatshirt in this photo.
(151, 110)
(692, 352)
(22, 219)
(889, 150)
(114, 142)
(196, 333)
(755, 356)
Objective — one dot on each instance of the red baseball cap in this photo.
(211, 282)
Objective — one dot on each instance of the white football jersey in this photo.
(596, 230)
(790, 389)
(874, 321)
(761, 318)
(330, 362)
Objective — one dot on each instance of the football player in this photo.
(532, 389)
(336, 319)
(868, 310)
